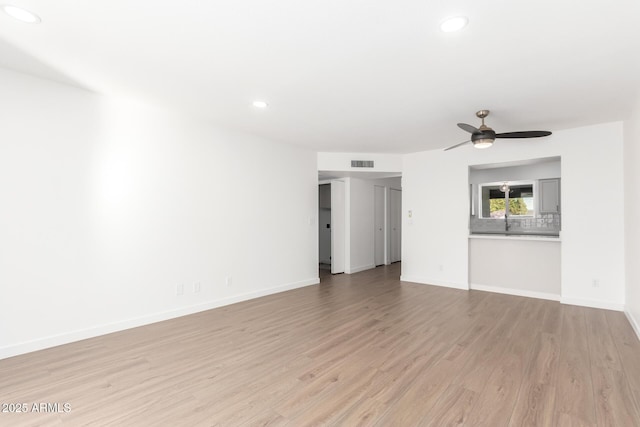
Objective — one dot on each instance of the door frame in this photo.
(391, 217)
(338, 226)
(379, 218)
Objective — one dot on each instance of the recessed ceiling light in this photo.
(260, 104)
(21, 14)
(454, 24)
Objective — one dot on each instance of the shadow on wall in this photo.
(16, 59)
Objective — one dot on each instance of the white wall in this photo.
(515, 266)
(434, 240)
(435, 188)
(543, 170)
(108, 204)
(632, 216)
(592, 240)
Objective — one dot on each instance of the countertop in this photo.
(534, 238)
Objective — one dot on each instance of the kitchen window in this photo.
(516, 198)
(520, 197)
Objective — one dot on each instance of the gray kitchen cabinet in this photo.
(549, 190)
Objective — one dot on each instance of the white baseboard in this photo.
(424, 281)
(634, 323)
(361, 268)
(585, 302)
(516, 292)
(68, 337)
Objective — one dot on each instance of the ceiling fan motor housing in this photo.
(483, 134)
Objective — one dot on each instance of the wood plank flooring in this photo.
(362, 349)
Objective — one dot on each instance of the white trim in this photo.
(517, 292)
(361, 268)
(433, 282)
(634, 323)
(68, 337)
(585, 302)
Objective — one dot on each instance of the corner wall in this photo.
(632, 216)
(109, 205)
(435, 188)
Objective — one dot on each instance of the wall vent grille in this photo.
(361, 163)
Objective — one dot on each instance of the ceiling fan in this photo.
(484, 136)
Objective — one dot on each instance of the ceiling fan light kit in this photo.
(484, 136)
(483, 143)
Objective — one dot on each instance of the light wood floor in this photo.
(363, 349)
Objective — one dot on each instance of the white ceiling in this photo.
(345, 75)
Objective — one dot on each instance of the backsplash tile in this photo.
(544, 224)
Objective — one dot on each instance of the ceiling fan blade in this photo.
(467, 127)
(457, 145)
(525, 134)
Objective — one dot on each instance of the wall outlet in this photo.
(179, 289)
(196, 287)
(596, 283)
(228, 280)
(440, 267)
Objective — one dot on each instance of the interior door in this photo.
(395, 214)
(378, 220)
(337, 227)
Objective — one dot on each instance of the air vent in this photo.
(361, 163)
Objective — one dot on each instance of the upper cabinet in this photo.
(549, 190)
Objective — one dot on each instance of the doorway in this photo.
(324, 226)
(332, 226)
(359, 221)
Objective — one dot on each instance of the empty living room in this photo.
(249, 213)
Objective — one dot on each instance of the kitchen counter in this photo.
(503, 236)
